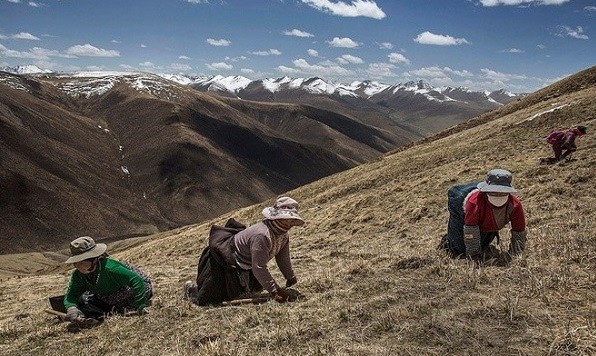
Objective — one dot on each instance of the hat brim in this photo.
(96, 251)
(494, 188)
(277, 214)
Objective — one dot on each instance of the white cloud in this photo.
(566, 31)
(270, 52)
(364, 8)
(2, 37)
(220, 66)
(36, 53)
(491, 74)
(143, 45)
(298, 33)
(235, 59)
(380, 70)
(88, 50)
(247, 71)
(313, 53)
(348, 58)
(398, 58)
(513, 50)
(386, 45)
(198, 1)
(429, 38)
(43, 53)
(127, 67)
(7, 52)
(541, 46)
(115, 41)
(25, 36)
(590, 8)
(321, 70)
(94, 68)
(218, 43)
(287, 70)
(14, 1)
(344, 42)
(186, 58)
(35, 4)
(147, 64)
(181, 67)
(436, 73)
(490, 3)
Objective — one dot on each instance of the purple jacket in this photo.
(255, 246)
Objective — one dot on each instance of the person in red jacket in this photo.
(563, 143)
(486, 210)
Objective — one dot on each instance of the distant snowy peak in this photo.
(218, 83)
(25, 69)
(89, 83)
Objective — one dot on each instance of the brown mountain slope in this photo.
(60, 175)
(169, 155)
(367, 262)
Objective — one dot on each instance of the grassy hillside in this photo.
(366, 261)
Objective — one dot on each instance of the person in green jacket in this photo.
(102, 285)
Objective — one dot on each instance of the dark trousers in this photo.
(217, 283)
(454, 239)
(88, 304)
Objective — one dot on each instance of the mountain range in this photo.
(414, 105)
(116, 154)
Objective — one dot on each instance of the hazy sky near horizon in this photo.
(519, 45)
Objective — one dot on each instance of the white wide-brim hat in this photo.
(284, 208)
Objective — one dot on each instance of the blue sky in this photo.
(519, 45)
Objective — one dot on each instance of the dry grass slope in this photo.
(367, 262)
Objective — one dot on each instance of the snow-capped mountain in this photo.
(244, 88)
(25, 69)
(416, 104)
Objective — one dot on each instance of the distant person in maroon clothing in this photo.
(563, 143)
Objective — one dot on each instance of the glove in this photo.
(290, 282)
(73, 314)
(282, 295)
(472, 240)
(518, 242)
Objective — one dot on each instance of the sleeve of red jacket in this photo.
(472, 212)
(518, 218)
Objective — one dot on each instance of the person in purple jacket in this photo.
(235, 262)
(563, 143)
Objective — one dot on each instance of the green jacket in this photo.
(112, 277)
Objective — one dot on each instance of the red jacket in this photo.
(479, 213)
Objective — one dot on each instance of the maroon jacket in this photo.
(479, 212)
(563, 139)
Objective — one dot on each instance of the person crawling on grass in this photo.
(478, 211)
(563, 143)
(235, 262)
(101, 285)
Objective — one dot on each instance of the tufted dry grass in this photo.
(366, 261)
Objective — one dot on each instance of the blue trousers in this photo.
(455, 227)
